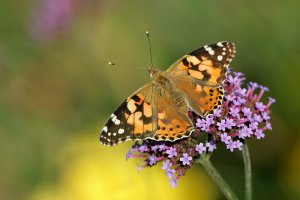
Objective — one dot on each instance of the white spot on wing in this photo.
(220, 44)
(220, 58)
(105, 129)
(210, 51)
(117, 122)
(121, 131)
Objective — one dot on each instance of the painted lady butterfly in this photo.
(159, 110)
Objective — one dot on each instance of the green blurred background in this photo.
(57, 92)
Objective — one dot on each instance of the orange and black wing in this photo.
(200, 74)
(132, 120)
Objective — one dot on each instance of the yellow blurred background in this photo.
(57, 91)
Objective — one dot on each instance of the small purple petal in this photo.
(185, 159)
(269, 125)
(231, 145)
(225, 138)
(143, 148)
(234, 111)
(238, 144)
(200, 148)
(152, 160)
(265, 115)
(260, 106)
(230, 123)
(259, 134)
(247, 112)
(170, 173)
(245, 132)
(211, 146)
(253, 125)
(173, 183)
(166, 165)
(171, 152)
(221, 125)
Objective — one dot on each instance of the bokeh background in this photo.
(57, 91)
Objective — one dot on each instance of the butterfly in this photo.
(159, 110)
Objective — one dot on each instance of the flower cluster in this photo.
(241, 116)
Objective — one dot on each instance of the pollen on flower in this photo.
(242, 116)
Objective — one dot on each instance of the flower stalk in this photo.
(248, 174)
(215, 175)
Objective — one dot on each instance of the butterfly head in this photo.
(153, 72)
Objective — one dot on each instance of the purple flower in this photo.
(245, 132)
(230, 98)
(166, 165)
(230, 123)
(170, 173)
(185, 159)
(234, 111)
(173, 183)
(225, 138)
(233, 80)
(238, 144)
(271, 100)
(247, 112)
(257, 118)
(239, 101)
(154, 148)
(218, 112)
(269, 126)
(171, 152)
(222, 125)
(162, 147)
(152, 160)
(200, 123)
(260, 106)
(211, 146)
(242, 92)
(200, 148)
(263, 88)
(143, 148)
(253, 125)
(210, 120)
(231, 145)
(259, 134)
(265, 116)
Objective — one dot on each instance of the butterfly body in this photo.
(159, 110)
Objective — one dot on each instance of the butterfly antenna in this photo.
(111, 63)
(148, 36)
(114, 64)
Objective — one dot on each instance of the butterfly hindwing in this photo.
(173, 122)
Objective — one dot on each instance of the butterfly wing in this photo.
(200, 74)
(173, 122)
(133, 119)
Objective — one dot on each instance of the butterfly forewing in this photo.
(206, 65)
(132, 120)
(200, 74)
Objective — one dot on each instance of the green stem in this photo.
(248, 177)
(212, 171)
